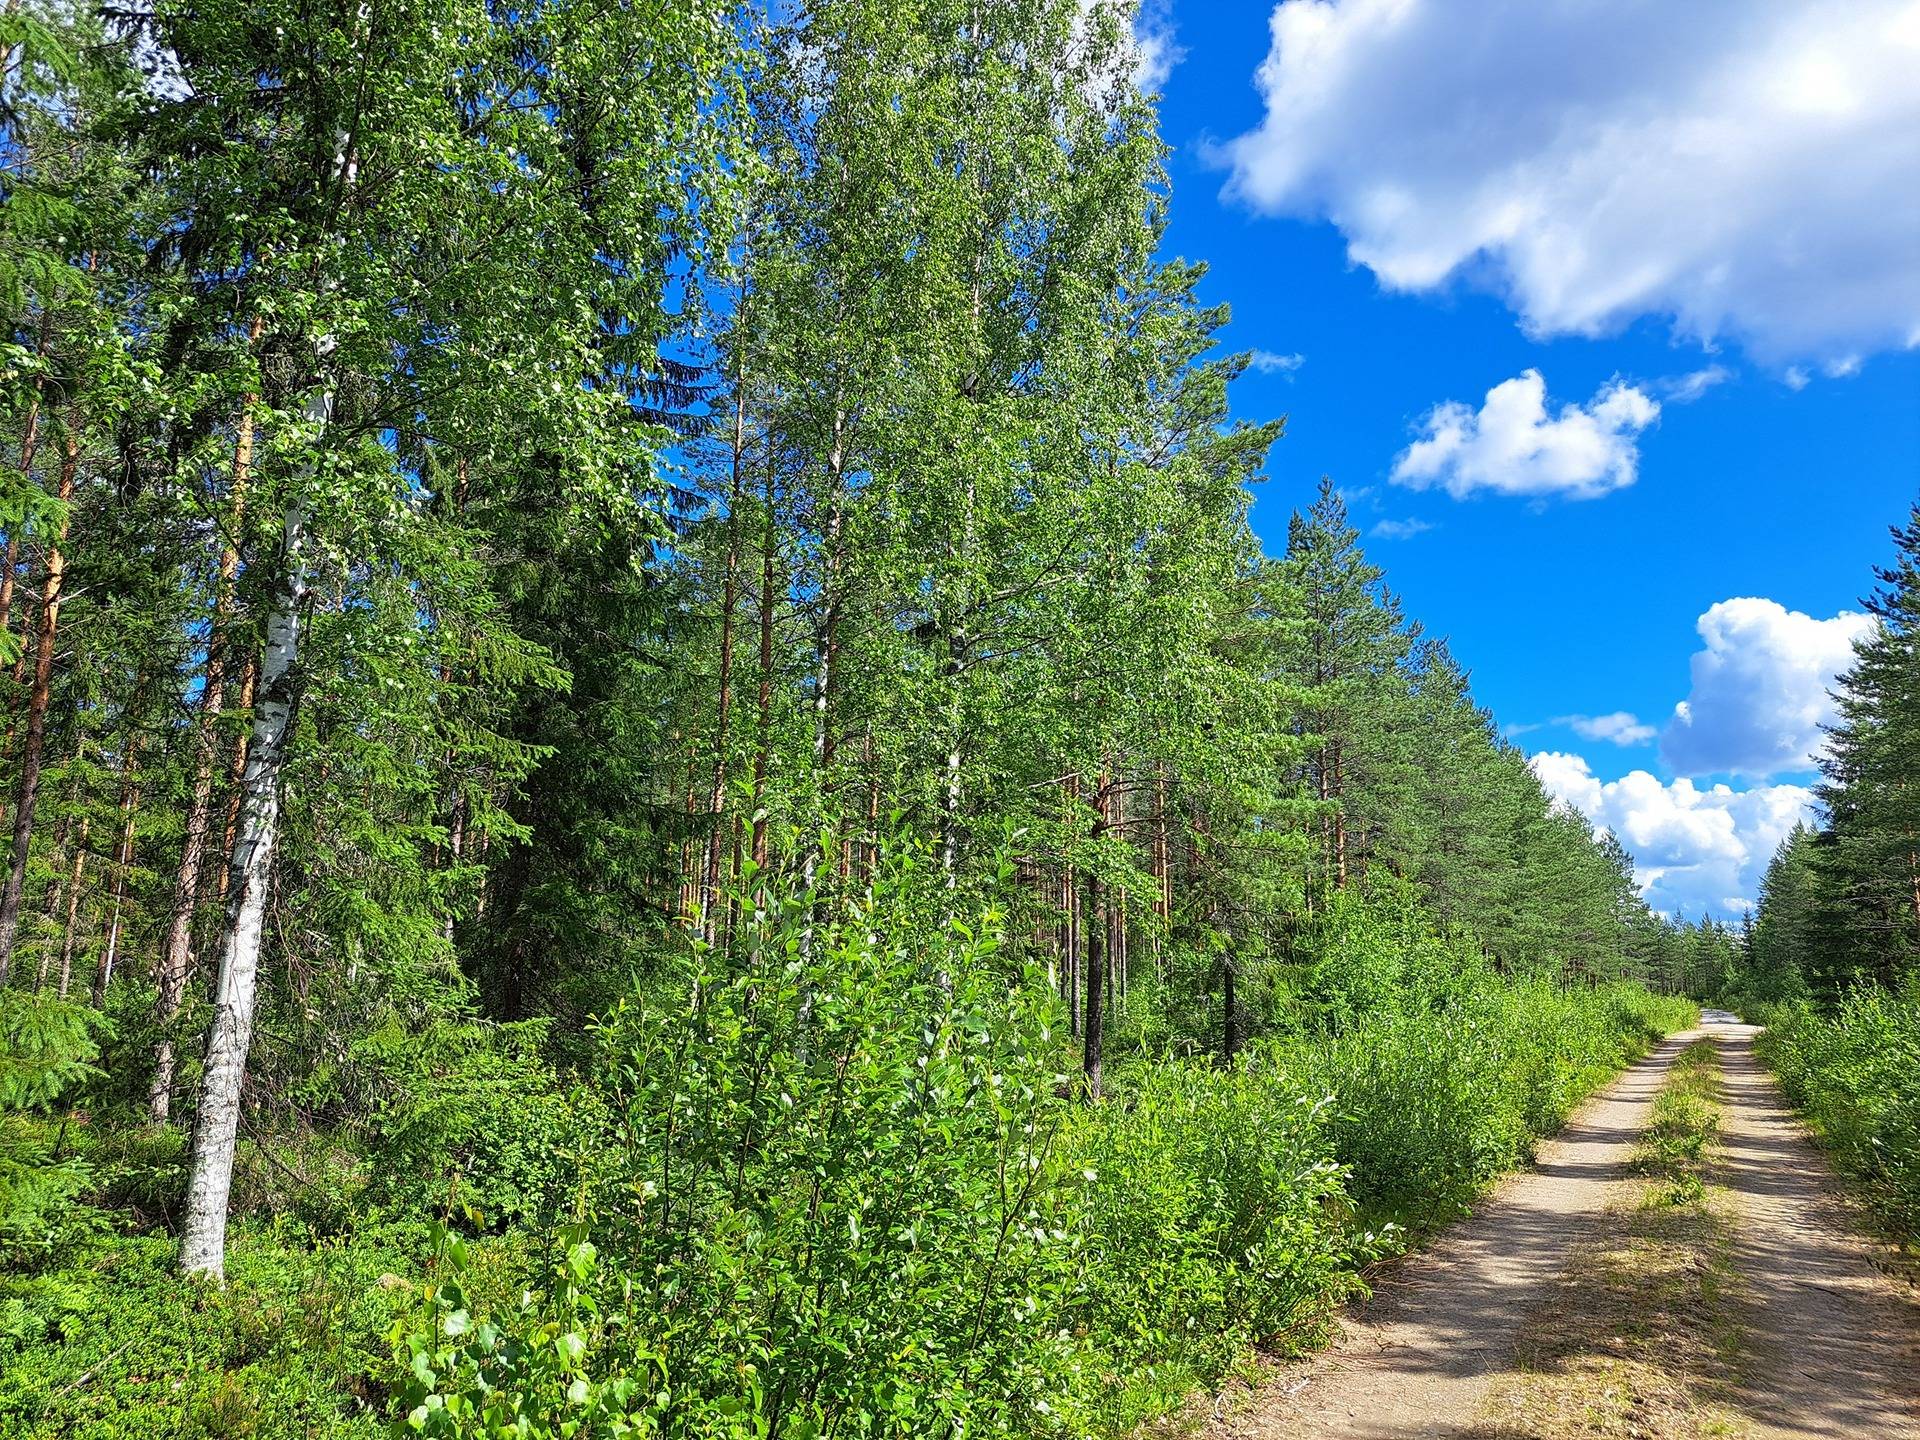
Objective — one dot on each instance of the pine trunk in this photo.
(51, 905)
(29, 446)
(37, 712)
(764, 699)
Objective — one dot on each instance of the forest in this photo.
(653, 783)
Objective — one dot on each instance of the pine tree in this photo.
(1870, 854)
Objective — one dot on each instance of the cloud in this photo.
(1695, 850)
(1620, 728)
(1268, 363)
(1147, 51)
(1512, 446)
(1760, 688)
(1155, 52)
(1685, 389)
(1400, 529)
(1746, 171)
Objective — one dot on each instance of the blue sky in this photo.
(1426, 201)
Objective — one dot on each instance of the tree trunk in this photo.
(51, 906)
(871, 850)
(1070, 884)
(1339, 822)
(1913, 881)
(122, 863)
(7, 578)
(37, 711)
(1094, 927)
(1162, 866)
(236, 769)
(764, 699)
(71, 930)
(729, 597)
(29, 446)
(689, 902)
(827, 649)
(203, 1238)
(1230, 1037)
(1093, 1027)
(176, 955)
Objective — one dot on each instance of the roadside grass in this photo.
(1642, 1336)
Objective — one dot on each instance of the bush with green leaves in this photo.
(1856, 1075)
(1215, 1217)
(471, 1120)
(1442, 1071)
(564, 1362)
(1432, 1104)
(852, 1190)
(834, 1207)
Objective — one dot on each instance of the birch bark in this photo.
(203, 1238)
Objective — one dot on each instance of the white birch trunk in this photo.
(203, 1238)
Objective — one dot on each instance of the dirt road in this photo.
(1830, 1346)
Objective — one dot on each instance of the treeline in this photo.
(1832, 959)
(560, 551)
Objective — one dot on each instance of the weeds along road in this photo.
(1678, 1263)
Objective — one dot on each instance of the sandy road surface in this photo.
(1833, 1341)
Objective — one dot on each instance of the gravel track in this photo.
(1835, 1344)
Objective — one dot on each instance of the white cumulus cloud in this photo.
(1695, 850)
(1512, 445)
(1760, 689)
(1745, 170)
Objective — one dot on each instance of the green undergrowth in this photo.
(854, 1190)
(1854, 1073)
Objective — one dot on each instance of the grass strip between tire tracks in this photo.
(1641, 1337)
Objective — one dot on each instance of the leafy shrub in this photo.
(472, 1120)
(831, 1204)
(1856, 1074)
(570, 1359)
(1432, 1100)
(1215, 1216)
